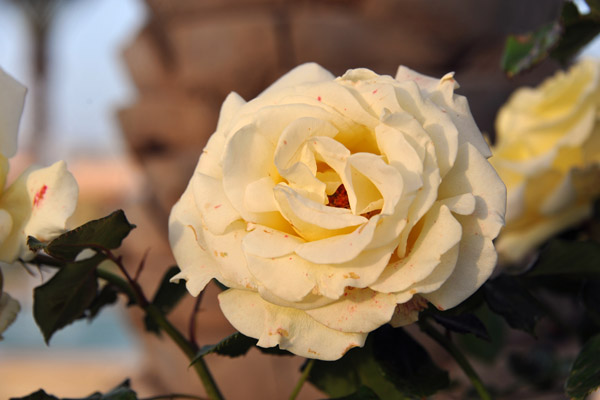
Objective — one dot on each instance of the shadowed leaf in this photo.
(234, 345)
(464, 323)
(66, 296)
(584, 377)
(166, 298)
(562, 257)
(39, 395)
(106, 233)
(523, 51)
(507, 297)
(392, 364)
(363, 393)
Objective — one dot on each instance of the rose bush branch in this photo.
(73, 293)
(458, 356)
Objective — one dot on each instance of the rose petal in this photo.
(266, 242)
(302, 74)
(440, 232)
(291, 277)
(476, 261)
(289, 328)
(472, 173)
(259, 196)
(212, 203)
(441, 92)
(53, 194)
(202, 255)
(312, 220)
(359, 310)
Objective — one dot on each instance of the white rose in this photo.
(333, 206)
(39, 202)
(548, 153)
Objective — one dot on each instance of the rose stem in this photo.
(303, 377)
(462, 361)
(188, 348)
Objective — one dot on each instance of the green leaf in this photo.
(464, 323)
(507, 297)
(523, 51)
(234, 345)
(391, 363)
(590, 294)
(339, 378)
(166, 298)
(39, 395)
(106, 297)
(406, 363)
(562, 257)
(496, 328)
(584, 377)
(363, 393)
(103, 233)
(121, 392)
(66, 296)
(578, 31)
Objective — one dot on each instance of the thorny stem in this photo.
(140, 268)
(139, 294)
(134, 290)
(461, 360)
(302, 379)
(193, 319)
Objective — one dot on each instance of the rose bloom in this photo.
(331, 206)
(38, 203)
(548, 153)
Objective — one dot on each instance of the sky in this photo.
(88, 81)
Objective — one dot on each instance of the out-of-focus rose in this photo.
(39, 202)
(333, 206)
(548, 154)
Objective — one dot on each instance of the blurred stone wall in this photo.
(192, 53)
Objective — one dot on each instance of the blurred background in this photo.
(128, 91)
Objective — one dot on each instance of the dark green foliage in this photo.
(103, 233)
(507, 297)
(166, 297)
(121, 392)
(392, 364)
(585, 373)
(66, 296)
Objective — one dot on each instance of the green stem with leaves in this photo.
(458, 356)
(303, 378)
(188, 348)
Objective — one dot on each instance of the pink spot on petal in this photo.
(374, 91)
(319, 98)
(39, 196)
(217, 206)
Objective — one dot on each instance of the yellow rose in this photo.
(331, 206)
(39, 202)
(548, 154)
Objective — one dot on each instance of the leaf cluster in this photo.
(561, 39)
